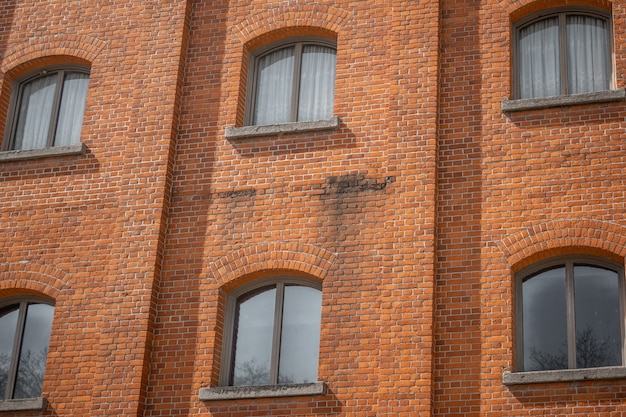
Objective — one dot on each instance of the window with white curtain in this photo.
(564, 52)
(293, 82)
(47, 110)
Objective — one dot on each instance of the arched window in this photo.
(25, 326)
(570, 314)
(47, 109)
(272, 333)
(563, 51)
(292, 82)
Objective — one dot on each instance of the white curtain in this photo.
(274, 87)
(72, 109)
(539, 68)
(588, 54)
(317, 83)
(35, 112)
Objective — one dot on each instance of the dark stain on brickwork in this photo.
(354, 183)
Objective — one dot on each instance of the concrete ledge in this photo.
(283, 128)
(261, 391)
(563, 375)
(509, 106)
(23, 405)
(20, 155)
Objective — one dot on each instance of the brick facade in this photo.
(414, 214)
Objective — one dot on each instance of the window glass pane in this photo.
(300, 338)
(34, 351)
(539, 59)
(588, 54)
(274, 87)
(35, 113)
(72, 109)
(598, 333)
(254, 326)
(8, 325)
(317, 83)
(545, 321)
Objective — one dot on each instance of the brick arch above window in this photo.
(280, 22)
(259, 260)
(518, 9)
(561, 237)
(34, 279)
(29, 52)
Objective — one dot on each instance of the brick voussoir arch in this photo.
(564, 236)
(271, 258)
(80, 46)
(520, 8)
(293, 16)
(24, 278)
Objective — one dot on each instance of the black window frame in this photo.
(252, 82)
(568, 262)
(16, 97)
(562, 13)
(245, 292)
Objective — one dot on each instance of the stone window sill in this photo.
(21, 155)
(283, 128)
(509, 106)
(262, 391)
(564, 375)
(23, 405)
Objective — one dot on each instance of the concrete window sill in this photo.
(509, 106)
(20, 155)
(23, 405)
(283, 128)
(262, 391)
(564, 375)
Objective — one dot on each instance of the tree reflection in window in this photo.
(276, 335)
(571, 317)
(25, 327)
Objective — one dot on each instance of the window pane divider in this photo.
(278, 319)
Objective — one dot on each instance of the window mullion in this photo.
(297, 71)
(571, 315)
(278, 319)
(56, 108)
(15, 355)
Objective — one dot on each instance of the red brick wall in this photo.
(86, 230)
(414, 214)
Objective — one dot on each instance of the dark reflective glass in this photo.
(34, 351)
(598, 334)
(8, 326)
(545, 321)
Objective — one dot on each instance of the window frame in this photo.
(8, 142)
(16, 352)
(560, 12)
(252, 81)
(568, 262)
(227, 363)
